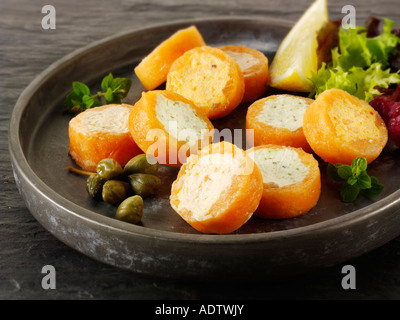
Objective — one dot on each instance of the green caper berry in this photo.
(142, 163)
(114, 191)
(109, 168)
(130, 210)
(144, 184)
(94, 186)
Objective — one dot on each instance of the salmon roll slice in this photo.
(169, 126)
(99, 133)
(291, 181)
(153, 69)
(254, 66)
(210, 78)
(341, 127)
(278, 119)
(217, 190)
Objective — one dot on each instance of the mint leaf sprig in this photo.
(114, 90)
(355, 179)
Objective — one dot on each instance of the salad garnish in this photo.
(360, 63)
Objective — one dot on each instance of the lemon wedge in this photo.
(296, 59)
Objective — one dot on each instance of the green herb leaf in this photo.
(122, 87)
(349, 192)
(361, 163)
(109, 95)
(375, 190)
(88, 101)
(74, 102)
(354, 178)
(80, 98)
(364, 180)
(80, 88)
(106, 82)
(351, 181)
(344, 171)
(333, 174)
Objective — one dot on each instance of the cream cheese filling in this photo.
(280, 167)
(205, 182)
(283, 112)
(180, 120)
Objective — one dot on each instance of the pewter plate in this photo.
(163, 244)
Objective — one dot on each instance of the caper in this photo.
(130, 210)
(142, 163)
(114, 191)
(144, 184)
(109, 168)
(94, 186)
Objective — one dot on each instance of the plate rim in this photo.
(21, 164)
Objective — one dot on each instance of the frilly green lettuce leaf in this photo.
(359, 64)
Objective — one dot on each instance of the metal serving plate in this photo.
(163, 244)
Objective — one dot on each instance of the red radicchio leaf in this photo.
(388, 106)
